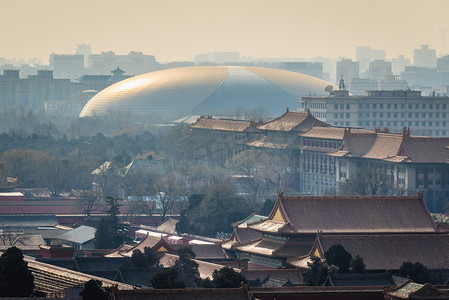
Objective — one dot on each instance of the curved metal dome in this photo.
(208, 90)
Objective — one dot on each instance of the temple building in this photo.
(303, 226)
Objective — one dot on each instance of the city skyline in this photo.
(175, 30)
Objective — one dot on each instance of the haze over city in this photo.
(177, 30)
(230, 149)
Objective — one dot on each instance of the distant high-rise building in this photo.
(392, 83)
(33, 91)
(348, 69)
(359, 86)
(69, 66)
(368, 53)
(422, 77)
(424, 57)
(134, 63)
(217, 57)
(309, 68)
(379, 68)
(398, 64)
(365, 54)
(225, 57)
(84, 50)
(443, 63)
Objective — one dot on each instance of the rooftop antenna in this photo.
(341, 86)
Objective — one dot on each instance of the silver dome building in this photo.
(206, 90)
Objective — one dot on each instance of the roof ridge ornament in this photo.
(420, 195)
(406, 132)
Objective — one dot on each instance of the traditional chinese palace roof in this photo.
(348, 215)
(394, 147)
(55, 280)
(220, 124)
(292, 121)
(156, 243)
(332, 133)
(388, 252)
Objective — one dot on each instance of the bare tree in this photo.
(368, 182)
(200, 177)
(54, 173)
(108, 180)
(88, 201)
(12, 238)
(168, 193)
(264, 173)
(251, 166)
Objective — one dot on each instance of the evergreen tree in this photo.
(227, 278)
(189, 266)
(338, 256)
(415, 271)
(110, 234)
(16, 279)
(221, 207)
(185, 224)
(147, 259)
(267, 207)
(104, 235)
(93, 290)
(317, 273)
(151, 257)
(357, 264)
(167, 279)
(138, 259)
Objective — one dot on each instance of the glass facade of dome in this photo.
(207, 90)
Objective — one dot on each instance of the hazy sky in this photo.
(177, 30)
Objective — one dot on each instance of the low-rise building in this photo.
(80, 238)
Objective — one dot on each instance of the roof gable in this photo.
(278, 213)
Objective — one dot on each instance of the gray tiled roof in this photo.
(349, 214)
(79, 235)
